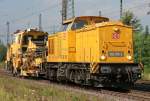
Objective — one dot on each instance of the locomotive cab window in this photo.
(79, 24)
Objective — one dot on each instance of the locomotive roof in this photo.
(85, 17)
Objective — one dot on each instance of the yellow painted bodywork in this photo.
(23, 59)
(64, 47)
(89, 43)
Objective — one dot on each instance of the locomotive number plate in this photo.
(115, 54)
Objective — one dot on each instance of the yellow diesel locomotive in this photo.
(92, 50)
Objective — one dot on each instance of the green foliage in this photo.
(141, 38)
(128, 18)
(141, 46)
(146, 48)
(137, 46)
(3, 51)
(146, 73)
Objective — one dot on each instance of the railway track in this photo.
(142, 85)
(132, 95)
(139, 93)
(119, 95)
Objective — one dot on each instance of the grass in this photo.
(146, 73)
(12, 89)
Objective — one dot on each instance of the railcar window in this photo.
(79, 24)
(41, 37)
(26, 39)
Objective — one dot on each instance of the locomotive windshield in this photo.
(79, 24)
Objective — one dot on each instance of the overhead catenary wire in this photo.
(34, 13)
(52, 6)
(143, 5)
(134, 7)
(13, 21)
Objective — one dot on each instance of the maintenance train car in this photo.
(92, 50)
(26, 54)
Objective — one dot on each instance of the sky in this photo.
(23, 14)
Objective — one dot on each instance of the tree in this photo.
(146, 31)
(146, 48)
(141, 38)
(3, 51)
(130, 19)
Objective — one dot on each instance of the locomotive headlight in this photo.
(103, 57)
(129, 57)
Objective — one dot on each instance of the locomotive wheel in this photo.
(72, 76)
(47, 74)
(61, 73)
(52, 74)
(14, 72)
(78, 77)
(10, 67)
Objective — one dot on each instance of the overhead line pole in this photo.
(73, 9)
(68, 10)
(100, 13)
(64, 10)
(7, 24)
(40, 22)
(121, 8)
